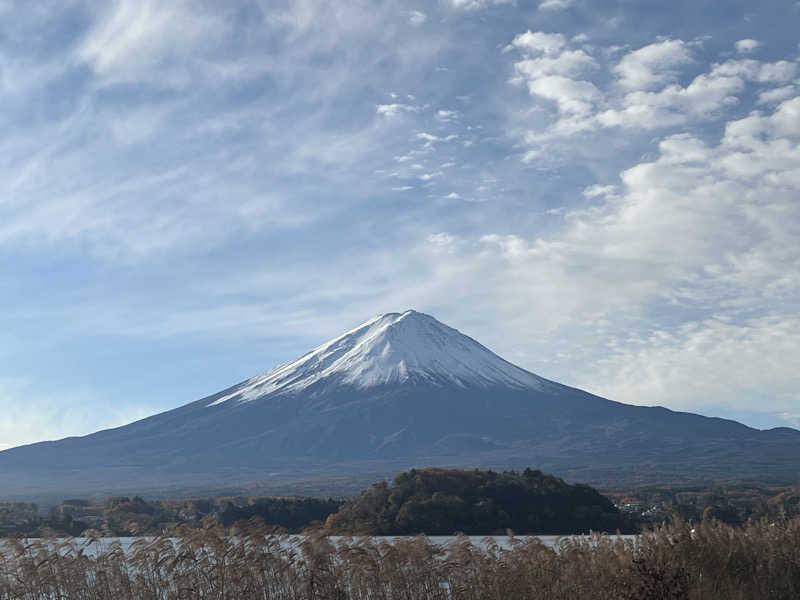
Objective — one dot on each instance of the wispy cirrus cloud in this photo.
(102, 173)
(131, 40)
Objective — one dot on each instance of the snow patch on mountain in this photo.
(389, 349)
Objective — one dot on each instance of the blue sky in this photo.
(605, 193)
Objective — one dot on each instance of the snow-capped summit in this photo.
(391, 348)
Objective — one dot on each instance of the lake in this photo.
(502, 541)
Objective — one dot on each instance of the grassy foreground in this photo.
(710, 561)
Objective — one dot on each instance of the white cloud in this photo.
(782, 71)
(134, 36)
(441, 239)
(757, 132)
(468, 4)
(550, 71)
(700, 229)
(428, 137)
(776, 95)
(183, 155)
(652, 65)
(539, 42)
(707, 93)
(673, 104)
(568, 63)
(447, 115)
(741, 366)
(649, 95)
(477, 4)
(394, 109)
(572, 97)
(126, 173)
(127, 218)
(600, 191)
(555, 4)
(747, 46)
(431, 139)
(416, 17)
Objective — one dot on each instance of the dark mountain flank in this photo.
(399, 391)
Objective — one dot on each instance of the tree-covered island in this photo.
(439, 501)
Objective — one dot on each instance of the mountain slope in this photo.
(400, 390)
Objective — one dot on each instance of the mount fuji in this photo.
(399, 390)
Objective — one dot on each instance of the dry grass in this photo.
(712, 561)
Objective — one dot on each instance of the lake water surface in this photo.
(101, 544)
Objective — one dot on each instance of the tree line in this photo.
(434, 501)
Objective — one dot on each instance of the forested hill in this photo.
(438, 501)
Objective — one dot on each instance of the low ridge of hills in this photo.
(401, 390)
